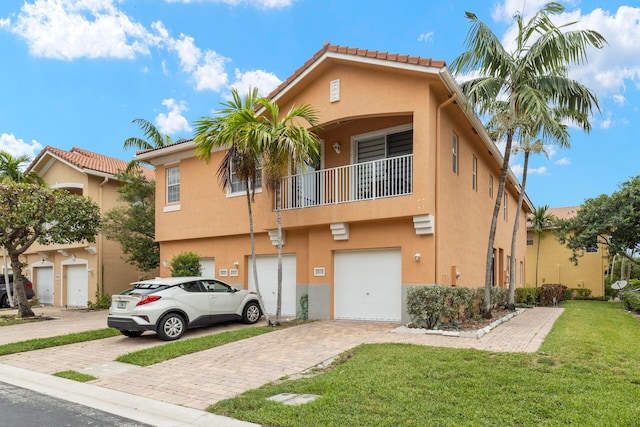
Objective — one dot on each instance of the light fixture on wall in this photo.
(337, 147)
(165, 264)
(417, 257)
(236, 264)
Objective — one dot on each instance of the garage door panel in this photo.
(44, 284)
(268, 281)
(77, 285)
(368, 285)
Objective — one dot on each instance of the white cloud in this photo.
(619, 99)
(426, 37)
(518, 170)
(69, 29)
(262, 4)
(18, 147)
(563, 161)
(606, 123)
(173, 122)
(263, 80)
(551, 150)
(210, 73)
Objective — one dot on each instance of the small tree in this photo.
(186, 264)
(30, 213)
(133, 225)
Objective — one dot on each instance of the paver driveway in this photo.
(203, 378)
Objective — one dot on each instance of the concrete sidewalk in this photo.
(200, 379)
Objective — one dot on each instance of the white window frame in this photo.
(235, 193)
(454, 153)
(171, 185)
(474, 173)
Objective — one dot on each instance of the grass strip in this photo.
(40, 343)
(75, 376)
(183, 347)
(584, 374)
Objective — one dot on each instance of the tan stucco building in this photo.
(554, 265)
(403, 194)
(72, 275)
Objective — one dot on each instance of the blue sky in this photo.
(77, 72)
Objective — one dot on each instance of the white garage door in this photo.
(77, 285)
(268, 282)
(44, 284)
(368, 285)
(208, 267)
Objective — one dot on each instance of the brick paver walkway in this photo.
(203, 378)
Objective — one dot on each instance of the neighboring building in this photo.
(554, 265)
(72, 275)
(403, 194)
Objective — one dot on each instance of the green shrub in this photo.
(552, 293)
(186, 264)
(103, 301)
(426, 304)
(631, 301)
(528, 296)
(498, 297)
(577, 293)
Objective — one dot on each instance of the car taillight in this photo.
(29, 285)
(147, 299)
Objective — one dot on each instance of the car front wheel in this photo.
(4, 301)
(171, 327)
(251, 313)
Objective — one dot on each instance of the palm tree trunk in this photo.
(494, 223)
(253, 257)
(279, 212)
(512, 277)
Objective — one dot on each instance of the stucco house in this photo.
(554, 265)
(72, 275)
(403, 194)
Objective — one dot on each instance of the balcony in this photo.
(377, 179)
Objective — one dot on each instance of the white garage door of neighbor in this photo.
(44, 284)
(268, 282)
(208, 267)
(368, 285)
(77, 285)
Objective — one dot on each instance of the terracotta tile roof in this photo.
(375, 54)
(88, 160)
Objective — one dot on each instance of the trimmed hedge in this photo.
(552, 294)
(578, 293)
(528, 296)
(631, 301)
(430, 306)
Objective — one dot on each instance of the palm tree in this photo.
(532, 79)
(154, 139)
(235, 129)
(284, 144)
(11, 170)
(539, 220)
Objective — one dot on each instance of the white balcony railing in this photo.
(353, 183)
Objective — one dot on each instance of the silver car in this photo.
(169, 306)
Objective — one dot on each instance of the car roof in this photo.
(171, 281)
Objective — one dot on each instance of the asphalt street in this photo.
(22, 407)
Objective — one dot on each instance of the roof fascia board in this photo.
(168, 154)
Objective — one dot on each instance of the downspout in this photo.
(100, 241)
(446, 103)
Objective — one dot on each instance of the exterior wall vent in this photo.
(424, 224)
(340, 231)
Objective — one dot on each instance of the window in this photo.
(454, 154)
(529, 239)
(491, 186)
(474, 174)
(521, 273)
(173, 184)
(593, 248)
(239, 185)
(505, 202)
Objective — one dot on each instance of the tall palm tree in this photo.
(154, 139)
(539, 220)
(235, 129)
(11, 170)
(532, 79)
(284, 144)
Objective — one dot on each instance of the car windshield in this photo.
(144, 289)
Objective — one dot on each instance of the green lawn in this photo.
(585, 374)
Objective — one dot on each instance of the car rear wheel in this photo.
(251, 313)
(171, 327)
(131, 334)
(4, 301)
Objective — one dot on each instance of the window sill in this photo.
(171, 208)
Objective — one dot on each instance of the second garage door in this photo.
(368, 285)
(268, 282)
